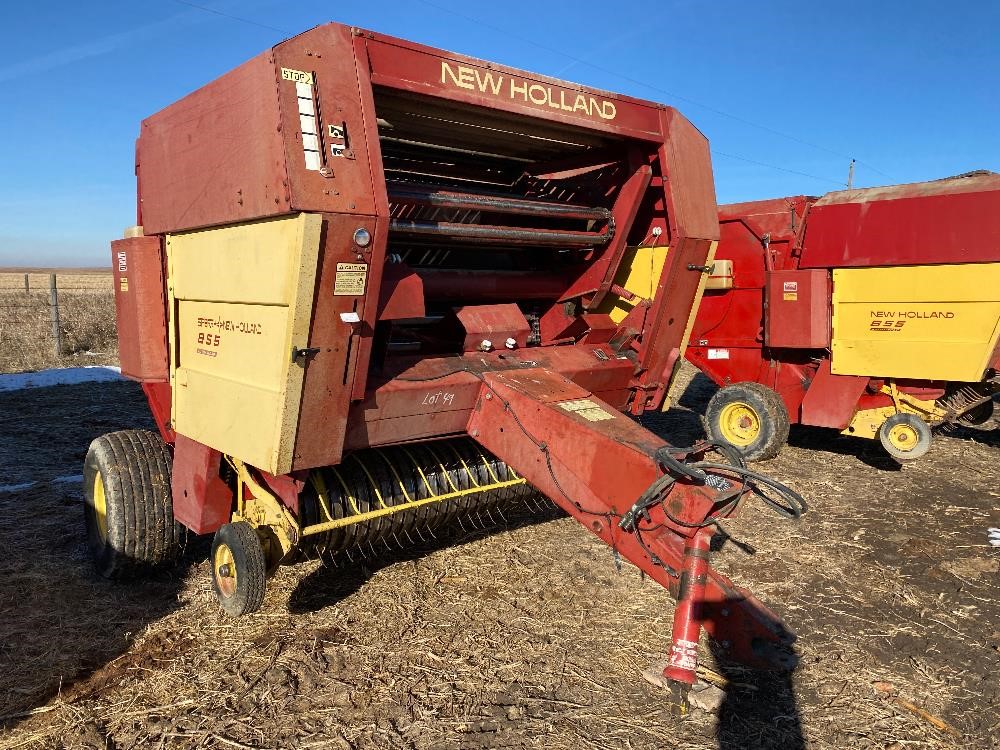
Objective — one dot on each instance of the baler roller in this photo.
(503, 235)
(430, 196)
(406, 492)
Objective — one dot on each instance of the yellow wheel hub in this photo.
(903, 437)
(739, 424)
(224, 567)
(100, 507)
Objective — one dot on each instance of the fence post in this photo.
(54, 313)
(27, 284)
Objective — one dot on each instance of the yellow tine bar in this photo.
(472, 477)
(488, 467)
(337, 523)
(395, 473)
(421, 471)
(350, 497)
(370, 479)
(447, 474)
(322, 492)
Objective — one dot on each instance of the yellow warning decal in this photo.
(587, 409)
(791, 296)
(350, 279)
(297, 76)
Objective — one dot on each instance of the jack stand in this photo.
(683, 664)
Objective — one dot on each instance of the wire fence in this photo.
(47, 318)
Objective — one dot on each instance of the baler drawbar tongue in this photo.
(607, 471)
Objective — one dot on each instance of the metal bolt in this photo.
(225, 571)
(510, 343)
(489, 396)
(485, 345)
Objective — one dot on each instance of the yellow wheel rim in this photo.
(903, 437)
(739, 424)
(224, 567)
(100, 507)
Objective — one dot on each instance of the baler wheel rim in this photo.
(740, 423)
(100, 503)
(224, 566)
(903, 437)
(240, 589)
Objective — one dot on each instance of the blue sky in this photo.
(908, 88)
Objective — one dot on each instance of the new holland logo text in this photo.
(894, 320)
(518, 89)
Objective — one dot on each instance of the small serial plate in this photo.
(298, 76)
(587, 409)
(350, 281)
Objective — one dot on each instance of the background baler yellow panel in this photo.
(241, 300)
(639, 273)
(923, 322)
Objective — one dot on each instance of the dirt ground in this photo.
(522, 635)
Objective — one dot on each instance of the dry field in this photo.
(87, 318)
(519, 635)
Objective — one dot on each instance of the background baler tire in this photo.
(769, 410)
(918, 431)
(127, 474)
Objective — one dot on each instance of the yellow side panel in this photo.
(922, 322)
(240, 300)
(639, 273)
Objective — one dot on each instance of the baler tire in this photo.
(128, 508)
(241, 592)
(768, 409)
(913, 426)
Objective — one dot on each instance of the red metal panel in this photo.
(330, 373)
(832, 399)
(945, 221)
(194, 161)
(345, 184)
(798, 309)
(140, 307)
(434, 397)
(202, 501)
(493, 323)
(424, 70)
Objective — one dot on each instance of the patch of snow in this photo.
(17, 487)
(69, 479)
(59, 376)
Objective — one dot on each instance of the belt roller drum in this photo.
(437, 198)
(481, 234)
(401, 494)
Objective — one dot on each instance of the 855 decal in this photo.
(208, 340)
(887, 325)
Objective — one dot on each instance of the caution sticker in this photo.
(351, 278)
(791, 296)
(587, 409)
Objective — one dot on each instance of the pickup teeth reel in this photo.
(972, 406)
(385, 498)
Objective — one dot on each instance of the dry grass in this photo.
(526, 637)
(87, 321)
